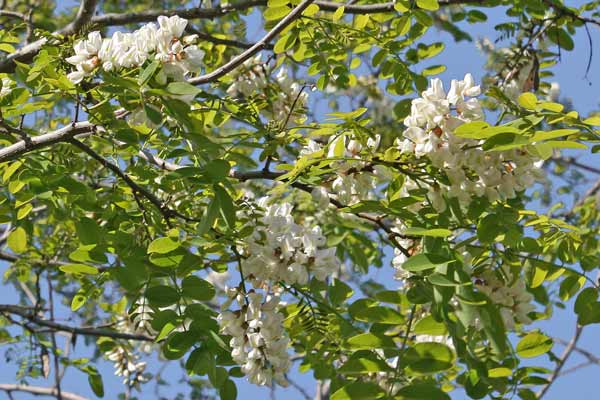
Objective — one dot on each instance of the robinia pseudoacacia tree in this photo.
(172, 185)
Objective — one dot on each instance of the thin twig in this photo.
(53, 338)
(561, 361)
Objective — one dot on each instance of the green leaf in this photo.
(380, 315)
(212, 212)
(359, 390)
(371, 341)
(504, 141)
(24, 211)
(274, 13)
(163, 245)
(228, 391)
(88, 231)
(339, 291)
(225, 205)
(421, 391)
(197, 288)
(442, 280)
(363, 364)
(534, 344)
(183, 89)
(429, 326)
(285, 43)
(500, 372)
(561, 38)
(94, 380)
(547, 135)
(162, 295)
(435, 232)
(17, 240)
(79, 269)
(178, 344)
(429, 358)
(421, 262)
(430, 5)
(147, 73)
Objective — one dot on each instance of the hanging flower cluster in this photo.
(6, 87)
(253, 78)
(509, 293)
(280, 251)
(355, 179)
(259, 342)
(126, 364)
(471, 171)
(179, 55)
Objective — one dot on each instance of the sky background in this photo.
(459, 58)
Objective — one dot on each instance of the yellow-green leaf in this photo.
(17, 240)
(274, 13)
(79, 269)
(430, 5)
(338, 14)
(163, 245)
(534, 344)
(595, 120)
(528, 100)
(311, 10)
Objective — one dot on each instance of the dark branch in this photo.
(136, 188)
(29, 314)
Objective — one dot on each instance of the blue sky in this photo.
(459, 58)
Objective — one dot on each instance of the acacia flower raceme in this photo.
(179, 55)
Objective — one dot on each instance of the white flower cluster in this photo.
(280, 250)
(471, 171)
(509, 293)
(252, 78)
(127, 365)
(6, 87)
(259, 342)
(164, 43)
(354, 181)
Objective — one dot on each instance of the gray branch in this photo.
(79, 129)
(258, 46)
(39, 391)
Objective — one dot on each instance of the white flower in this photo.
(129, 50)
(6, 87)
(259, 342)
(471, 171)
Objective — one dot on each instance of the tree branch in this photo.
(38, 391)
(562, 360)
(37, 142)
(136, 188)
(258, 46)
(29, 314)
(115, 19)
